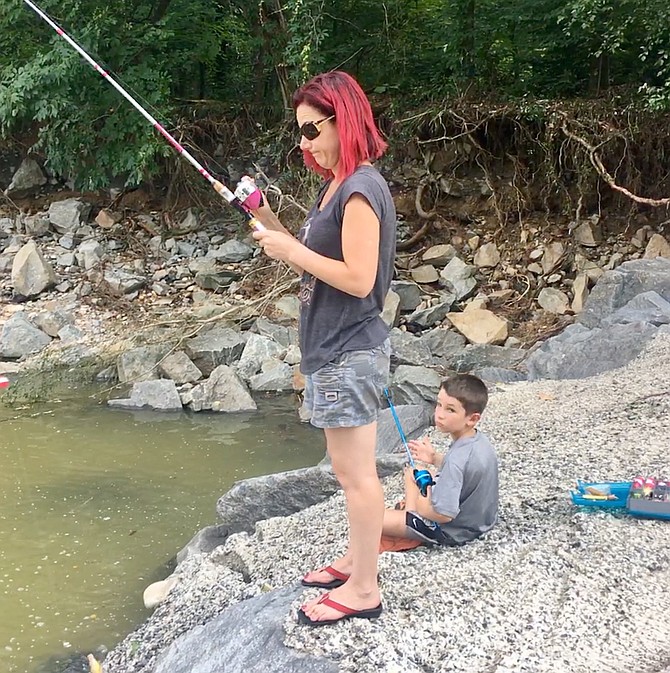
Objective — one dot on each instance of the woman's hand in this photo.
(277, 244)
(422, 449)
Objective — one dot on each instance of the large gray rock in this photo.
(159, 395)
(458, 278)
(274, 379)
(179, 368)
(279, 333)
(20, 338)
(409, 293)
(31, 273)
(579, 352)
(140, 364)
(485, 355)
(223, 391)
(444, 343)
(414, 421)
(120, 281)
(219, 346)
(257, 350)
(617, 287)
(284, 493)
(428, 317)
(231, 251)
(234, 642)
(646, 307)
(407, 349)
(27, 178)
(204, 541)
(415, 385)
(259, 498)
(68, 215)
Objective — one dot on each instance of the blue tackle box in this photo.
(615, 494)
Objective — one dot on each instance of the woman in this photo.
(345, 255)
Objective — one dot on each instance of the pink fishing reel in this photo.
(248, 194)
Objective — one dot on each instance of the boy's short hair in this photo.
(469, 390)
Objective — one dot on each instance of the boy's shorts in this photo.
(346, 393)
(427, 531)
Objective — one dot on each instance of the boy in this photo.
(462, 504)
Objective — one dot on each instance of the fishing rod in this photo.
(422, 478)
(246, 197)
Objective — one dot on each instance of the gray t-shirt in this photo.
(467, 488)
(333, 322)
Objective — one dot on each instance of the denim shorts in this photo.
(346, 393)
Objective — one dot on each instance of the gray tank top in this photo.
(333, 322)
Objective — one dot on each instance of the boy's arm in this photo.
(423, 450)
(415, 502)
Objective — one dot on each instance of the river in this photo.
(97, 502)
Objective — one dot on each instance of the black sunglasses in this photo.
(312, 130)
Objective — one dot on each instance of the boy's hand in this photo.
(422, 449)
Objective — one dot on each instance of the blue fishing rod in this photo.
(422, 478)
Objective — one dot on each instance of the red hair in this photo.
(339, 94)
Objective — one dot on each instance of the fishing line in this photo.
(246, 196)
(422, 478)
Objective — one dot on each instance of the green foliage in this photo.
(250, 56)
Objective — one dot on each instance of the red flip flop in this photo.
(347, 613)
(338, 579)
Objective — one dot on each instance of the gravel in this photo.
(551, 589)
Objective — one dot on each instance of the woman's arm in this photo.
(360, 248)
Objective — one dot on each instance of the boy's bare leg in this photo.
(352, 454)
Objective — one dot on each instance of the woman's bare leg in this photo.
(352, 454)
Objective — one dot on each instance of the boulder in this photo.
(457, 277)
(231, 251)
(415, 385)
(647, 307)
(658, 246)
(480, 326)
(31, 273)
(219, 346)
(68, 215)
(256, 351)
(223, 391)
(230, 642)
(159, 395)
(579, 352)
(487, 256)
(407, 349)
(553, 300)
(617, 287)
(139, 364)
(425, 273)
(27, 178)
(439, 255)
(19, 338)
(179, 368)
(588, 233)
(409, 293)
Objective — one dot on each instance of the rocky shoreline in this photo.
(551, 588)
(179, 327)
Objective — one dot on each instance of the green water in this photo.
(96, 503)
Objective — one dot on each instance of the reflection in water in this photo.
(96, 503)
